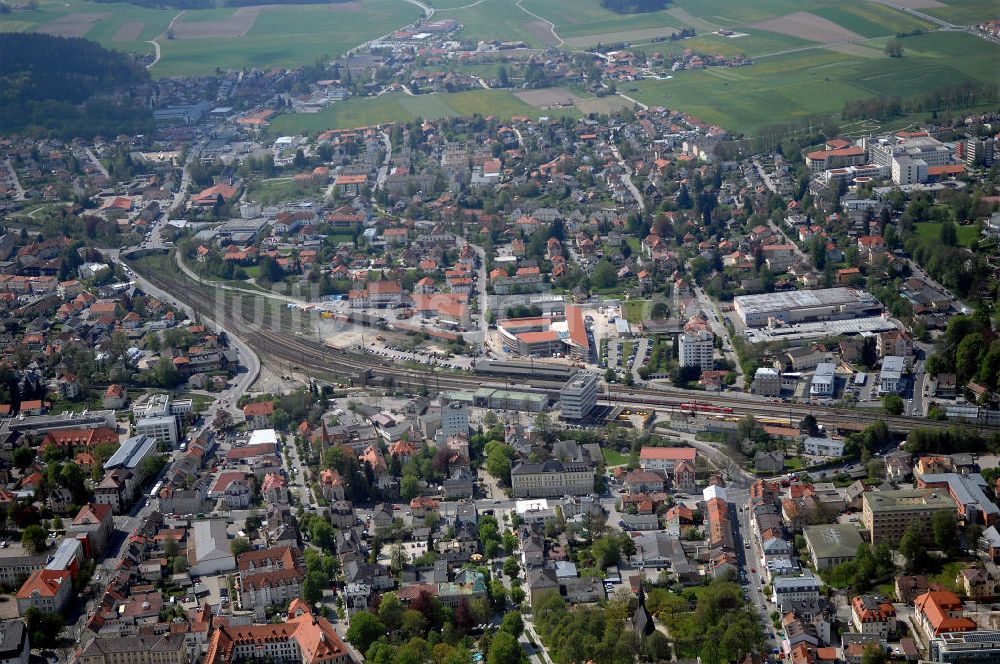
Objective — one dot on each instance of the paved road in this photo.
(383, 171)
(97, 162)
(627, 178)
(720, 330)
(19, 196)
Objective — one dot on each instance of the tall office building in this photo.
(578, 396)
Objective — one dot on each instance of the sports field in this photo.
(818, 81)
(261, 36)
(399, 107)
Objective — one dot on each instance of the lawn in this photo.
(281, 190)
(930, 231)
(280, 36)
(818, 82)
(635, 311)
(613, 457)
(946, 577)
(399, 107)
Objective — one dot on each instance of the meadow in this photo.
(276, 36)
(399, 107)
(931, 231)
(802, 65)
(818, 81)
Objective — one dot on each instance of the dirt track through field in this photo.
(73, 25)
(128, 31)
(236, 25)
(807, 26)
(859, 50)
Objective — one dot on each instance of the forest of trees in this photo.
(57, 86)
(948, 98)
(633, 6)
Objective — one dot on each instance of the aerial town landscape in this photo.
(499, 331)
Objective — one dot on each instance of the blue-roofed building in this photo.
(132, 452)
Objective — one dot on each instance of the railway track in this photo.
(316, 358)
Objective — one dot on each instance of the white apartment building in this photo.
(454, 420)
(578, 396)
(696, 349)
(158, 418)
(824, 380)
(830, 447)
(788, 589)
(891, 375)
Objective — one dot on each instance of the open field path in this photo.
(552, 26)
(156, 43)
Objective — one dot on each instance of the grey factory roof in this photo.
(835, 540)
(802, 299)
(827, 328)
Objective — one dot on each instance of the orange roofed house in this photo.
(208, 197)
(258, 414)
(46, 589)
(302, 638)
(940, 611)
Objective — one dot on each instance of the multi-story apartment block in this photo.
(887, 514)
(578, 396)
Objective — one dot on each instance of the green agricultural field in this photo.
(965, 12)
(576, 18)
(398, 107)
(869, 19)
(731, 14)
(279, 36)
(755, 44)
(283, 36)
(818, 81)
(500, 20)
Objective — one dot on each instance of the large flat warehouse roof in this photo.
(801, 299)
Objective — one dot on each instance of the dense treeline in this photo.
(951, 441)
(950, 98)
(60, 87)
(633, 6)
